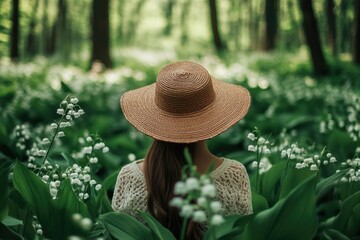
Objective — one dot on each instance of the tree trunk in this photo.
(294, 42)
(312, 37)
(235, 24)
(30, 46)
(331, 24)
(254, 24)
(45, 27)
(58, 37)
(100, 32)
(121, 22)
(168, 10)
(220, 46)
(184, 22)
(356, 48)
(250, 22)
(271, 24)
(14, 34)
(134, 21)
(345, 35)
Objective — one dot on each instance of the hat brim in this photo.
(231, 104)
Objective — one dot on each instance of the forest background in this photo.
(300, 60)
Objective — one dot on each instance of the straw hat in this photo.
(185, 105)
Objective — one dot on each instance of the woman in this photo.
(181, 110)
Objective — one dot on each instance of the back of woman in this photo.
(180, 111)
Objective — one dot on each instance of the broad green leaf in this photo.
(65, 206)
(123, 226)
(325, 184)
(231, 227)
(118, 233)
(95, 233)
(10, 221)
(293, 178)
(106, 207)
(94, 201)
(8, 234)
(352, 228)
(270, 182)
(160, 231)
(332, 234)
(347, 221)
(110, 180)
(36, 194)
(259, 203)
(5, 165)
(340, 143)
(55, 216)
(293, 217)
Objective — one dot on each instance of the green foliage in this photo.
(37, 196)
(349, 217)
(230, 229)
(292, 216)
(288, 104)
(5, 165)
(159, 230)
(123, 226)
(270, 182)
(292, 179)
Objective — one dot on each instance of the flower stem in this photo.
(26, 220)
(317, 177)
(183, 228)
(51, 143)
(286, 169)
(258, 158)
(350, 189)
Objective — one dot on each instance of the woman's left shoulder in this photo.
(235, 165)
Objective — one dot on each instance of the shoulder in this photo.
(230, 168)
(235, 165)
(130, 170)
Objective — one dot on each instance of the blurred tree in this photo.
(345, 25)
(168, 11)
(100, 33)
(45, 26)
(134, 21)
(356, 48)
(30, 44)
(331, 25)
(58, 38)
(311, 33)
(184, 37)
(219, 44)
(271, 24)
(14, 32)
(120, 24)
(235, 23)
(291, 34)
(254, 23)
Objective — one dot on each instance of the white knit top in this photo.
(230, 178)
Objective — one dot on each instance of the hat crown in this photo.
(184, 87)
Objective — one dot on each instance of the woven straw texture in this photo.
(185, 105)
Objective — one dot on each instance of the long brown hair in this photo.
(162, 169)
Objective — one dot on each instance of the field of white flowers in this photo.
(63, 140)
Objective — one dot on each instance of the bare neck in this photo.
(202, 158)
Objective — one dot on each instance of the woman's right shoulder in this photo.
(236, 167)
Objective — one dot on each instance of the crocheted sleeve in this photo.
(130, 191)
(234, 190)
